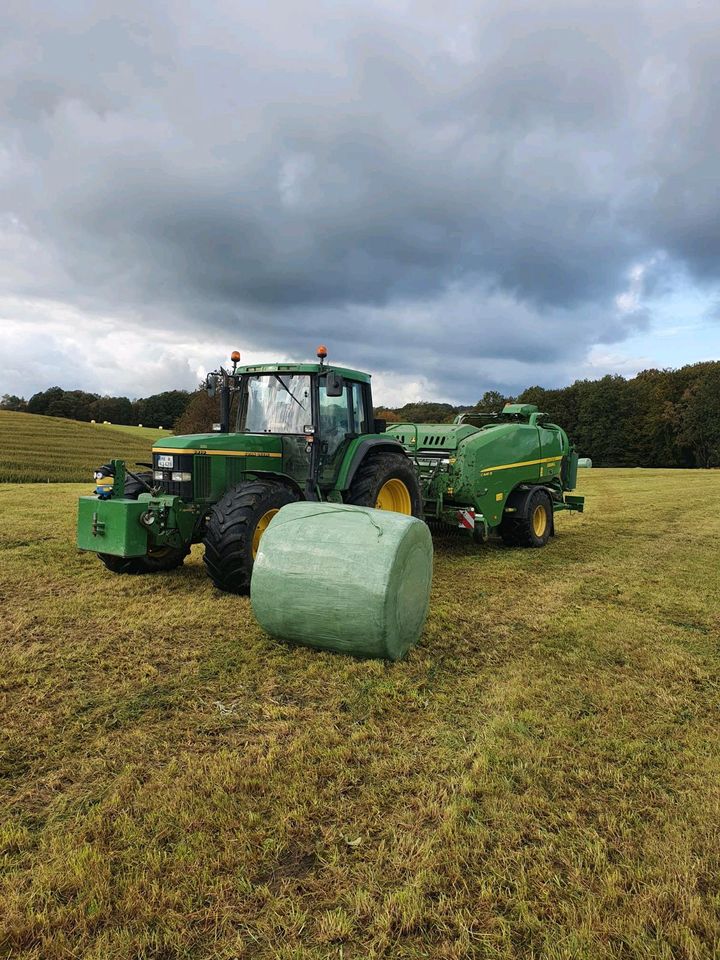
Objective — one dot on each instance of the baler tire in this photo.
(517, 528)
(230, 528)
(375, 471)
(164, 559)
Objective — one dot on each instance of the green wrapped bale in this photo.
(584, 462)
(343, 578)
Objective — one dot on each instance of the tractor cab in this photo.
(311, 413)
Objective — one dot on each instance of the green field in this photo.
(539, 779)
(52, 450)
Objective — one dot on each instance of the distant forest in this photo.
(660, 418)
(159, 410)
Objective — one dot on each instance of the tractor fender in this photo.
(358, 454)
(281, 478)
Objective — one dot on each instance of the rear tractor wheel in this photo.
(157, 560)
(235, 527)
(529, 521)
(387, 481)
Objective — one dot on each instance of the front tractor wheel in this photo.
(530, 524)
(235, 527)
(157, 559)
(387, 481)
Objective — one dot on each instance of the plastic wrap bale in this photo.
(584, 462)
(343, 578)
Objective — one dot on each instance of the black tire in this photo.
(155, 561)
(231, 527)
(133, 488)
(530, 524)
(375, 471)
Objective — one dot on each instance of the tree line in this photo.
(660, 418)
(158, 410)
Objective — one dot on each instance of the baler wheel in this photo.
(386, 481)
(234, 528)
(531, 523)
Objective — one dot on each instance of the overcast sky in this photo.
(455, 196)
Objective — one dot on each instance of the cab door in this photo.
(340, 420)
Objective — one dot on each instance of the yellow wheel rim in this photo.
(394, 495)
(260, 529)
(539, 520)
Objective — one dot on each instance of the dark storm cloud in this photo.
(409, 181)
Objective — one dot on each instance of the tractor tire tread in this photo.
(228, 533)
(375, 469)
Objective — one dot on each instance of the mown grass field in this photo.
(51, 450)
(539, 779)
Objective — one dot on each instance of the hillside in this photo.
(48, 449)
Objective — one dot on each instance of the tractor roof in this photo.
(305, 368)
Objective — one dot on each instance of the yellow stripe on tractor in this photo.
(218, 453)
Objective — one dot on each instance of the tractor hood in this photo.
(261, 443)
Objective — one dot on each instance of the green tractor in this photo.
(308, 431)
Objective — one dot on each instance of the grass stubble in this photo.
(539, 778)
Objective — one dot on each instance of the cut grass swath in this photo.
(52, 450)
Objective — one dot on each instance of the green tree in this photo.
(10, 401)
(161, 409)
(200, 414)
(39, 402)
(492, 401)
(698, 417)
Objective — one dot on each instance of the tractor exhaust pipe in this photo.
(225, 406)
(221, 380)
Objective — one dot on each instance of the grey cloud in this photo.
(471, 179)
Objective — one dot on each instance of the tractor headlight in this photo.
(157, 475)
(182, 477)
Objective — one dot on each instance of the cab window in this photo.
(334, 420)
(359, 417)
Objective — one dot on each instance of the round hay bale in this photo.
(343, 578)
(584, 462)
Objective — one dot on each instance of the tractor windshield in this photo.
(275, 403)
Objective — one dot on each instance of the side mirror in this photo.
(334, 384)
(211, 384)
(379, 425)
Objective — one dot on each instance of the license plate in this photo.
(165, 461)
